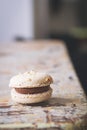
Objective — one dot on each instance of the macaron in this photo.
(31, 87)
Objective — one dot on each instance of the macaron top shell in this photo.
(30, 79)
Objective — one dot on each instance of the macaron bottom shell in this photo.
(30, 98)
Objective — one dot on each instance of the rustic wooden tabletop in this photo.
(66, 110)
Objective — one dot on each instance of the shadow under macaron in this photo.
(55, 101)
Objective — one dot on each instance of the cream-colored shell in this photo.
(30, 98)
(30, 79)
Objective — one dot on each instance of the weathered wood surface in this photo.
(66, 110)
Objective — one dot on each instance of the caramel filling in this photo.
(32, 90)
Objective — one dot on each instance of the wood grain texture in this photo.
(66, 110)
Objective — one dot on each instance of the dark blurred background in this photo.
(22, 20)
